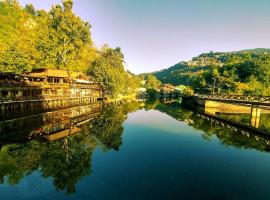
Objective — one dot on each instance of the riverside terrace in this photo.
(46, 89)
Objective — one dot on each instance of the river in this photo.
(136, 150)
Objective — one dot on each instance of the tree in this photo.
(57, 39)
(30, 9)
(68, 43)
(17, 38)
(151, 82)
(108, 70)
(188, 91)
(152, 93)
(224, 70)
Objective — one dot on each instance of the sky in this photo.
(156, 34)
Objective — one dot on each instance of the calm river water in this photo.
(131, 151)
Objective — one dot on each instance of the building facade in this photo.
(48, 89)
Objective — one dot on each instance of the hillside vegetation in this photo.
(241, 72)
(59, 39)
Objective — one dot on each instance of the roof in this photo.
(58, 73)
(168, 86)
(76, 74)
(82, 81)
(50, 72)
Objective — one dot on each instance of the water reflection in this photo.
(261, 122)
(60, 144)
(253, 116)
(65, 157)
(46, 124)
(227, 134)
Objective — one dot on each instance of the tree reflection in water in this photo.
(66, 160)
(228, 135)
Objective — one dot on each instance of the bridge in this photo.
(240, 99)
(254, 106)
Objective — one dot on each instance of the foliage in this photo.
(188, 91)
(32, 38)
(152, 93)
(108, 126)
(18, 37)
(226, 136)
(65, 160)
(231, 73)
(108, 69)
(181, 87)
(69, 43)
(58, 39)
(150, 81)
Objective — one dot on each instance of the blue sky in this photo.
(155, 34)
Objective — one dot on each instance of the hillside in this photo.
(224, 72)
(59, 39)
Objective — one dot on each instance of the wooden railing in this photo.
(9, 83)
(238, 98)
(47, 98)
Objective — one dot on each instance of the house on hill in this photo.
(167, 88)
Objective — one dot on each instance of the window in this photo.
(25, 93)
(4, 93)
(50, 79)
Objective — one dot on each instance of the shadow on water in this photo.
(60, 144)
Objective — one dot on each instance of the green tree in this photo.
(188, 91)
(151, 82)
(36, 39)
(67, 43)
(226, 72)
(17, 38)
(108, 69)
(30, 9)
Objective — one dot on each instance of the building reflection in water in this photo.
(46, 124)
(60, 144)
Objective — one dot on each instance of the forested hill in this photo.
(59, 39)
(241, 72)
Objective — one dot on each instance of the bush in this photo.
(188, 91)
(152, 93)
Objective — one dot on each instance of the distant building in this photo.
(167, 88)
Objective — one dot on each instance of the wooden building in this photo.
(47, 89)
(167, 88)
